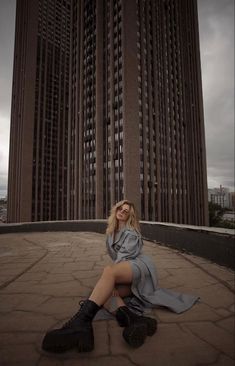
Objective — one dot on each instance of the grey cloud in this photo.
(7, 27)
(3, 180)
(216, 21)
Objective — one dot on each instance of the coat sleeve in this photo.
(130, 248)
(111, 252)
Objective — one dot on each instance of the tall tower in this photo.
(107, 104)
(38, 160)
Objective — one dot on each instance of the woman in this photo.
(132, 278)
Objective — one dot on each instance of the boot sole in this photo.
(151, 326)
(85, 344)
(60, 344)
(150, 323)
(135, 335)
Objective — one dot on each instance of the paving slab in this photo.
(43, 276)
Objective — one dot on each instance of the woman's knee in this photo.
(108, 271)
(123, 290)
(121, 272)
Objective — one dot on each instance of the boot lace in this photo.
(74, 317)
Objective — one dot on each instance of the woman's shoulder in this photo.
(132, 232)
(124, 233)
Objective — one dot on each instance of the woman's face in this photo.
(123, 213)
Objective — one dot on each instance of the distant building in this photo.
(221, 196)
(232, 201)
(106, 105)
(3, 211)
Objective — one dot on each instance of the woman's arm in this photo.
(130, 247)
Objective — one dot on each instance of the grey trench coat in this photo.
(127, 246)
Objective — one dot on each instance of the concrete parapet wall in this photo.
(215, 244)
(98, 226)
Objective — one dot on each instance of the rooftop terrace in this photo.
(44, 275)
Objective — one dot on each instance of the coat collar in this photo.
(116, 238)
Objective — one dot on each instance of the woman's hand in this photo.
(115, 293)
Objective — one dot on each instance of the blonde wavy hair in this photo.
(132, 221)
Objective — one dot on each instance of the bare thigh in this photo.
(122, 273)
(123, 290)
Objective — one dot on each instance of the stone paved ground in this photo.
(43, 276)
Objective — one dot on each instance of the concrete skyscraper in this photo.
(107, 104)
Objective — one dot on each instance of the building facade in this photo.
(222, 197)
(106, 105)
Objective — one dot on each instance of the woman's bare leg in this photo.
(120, 292)
(117, 273)
(123, 290)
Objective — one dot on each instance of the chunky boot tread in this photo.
(151, 325)
(56, 341)
(125, 317)
(135, 335)
(75, 333)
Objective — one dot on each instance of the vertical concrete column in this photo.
(204, 214)
(99, 111)
(111, 60)
(81, 119)
(77, 178)
(27, 120)
(131, 142)
(14, 162)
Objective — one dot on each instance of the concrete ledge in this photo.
(214, 244)
(98, 226)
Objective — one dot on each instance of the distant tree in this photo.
(226, 224)
(215, 214)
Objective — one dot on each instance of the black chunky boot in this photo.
(134, 325)
(77, 332)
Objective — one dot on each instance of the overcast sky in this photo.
(216, 24)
